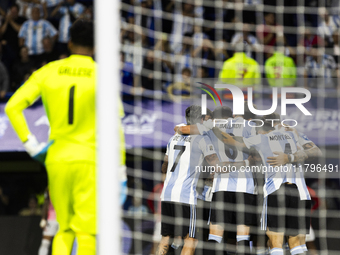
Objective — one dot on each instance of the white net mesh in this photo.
(168, 46)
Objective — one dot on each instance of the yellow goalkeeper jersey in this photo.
(240, 70)
(67, 88)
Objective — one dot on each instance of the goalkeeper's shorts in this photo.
(72, 187)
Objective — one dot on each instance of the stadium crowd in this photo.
(165, 43)
(33, 33)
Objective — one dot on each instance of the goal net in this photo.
(247, 56)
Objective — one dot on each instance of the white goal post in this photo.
(108, 89)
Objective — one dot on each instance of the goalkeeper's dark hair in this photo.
(222, 112)
(193, 114)
(82, 33)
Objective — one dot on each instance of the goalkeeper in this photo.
(67, 89)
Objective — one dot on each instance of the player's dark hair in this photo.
(267, 124)
(222, 112)
(247, 113)
(82, 33)
(209, 113)
(270, 117)
(186, 70)
(193, 114)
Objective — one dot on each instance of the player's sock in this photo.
(276, 251)
(213, 247)
(304, 247)
(63, 242)
(44, 246)
(215, 238)
(243, 247)
(296, 250)
(260, 251)
(86, 244)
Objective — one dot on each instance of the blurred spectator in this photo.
(148, 72)
(184, 58)
(198, 36)
(49, 6)
(240, 69)
(4, 80)
(3, 202)
(280, 70)
(131, 39)
(221, 50)
(137, 208)
(144, 18)
(49, 54)
(126, 71)
(21, 68)
(88, 13)
(70, 11)
(266, 32)
(311, 17)
(246, 36)
(336, 47)
(33, 31)
(202, 72)
(320, 69)
(167, 8)
(181, 89)
(327, 26)
(32, 209)
(26, 8)
(157, 72)
(163, 52)
(9, 35)
(205, 56)
(183, 24)
(310, 39)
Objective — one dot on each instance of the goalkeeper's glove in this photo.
(35, 149)
(43, 223)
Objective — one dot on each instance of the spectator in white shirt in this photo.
(70, 11)
(327, 26)
(33, 31)
(246, 36)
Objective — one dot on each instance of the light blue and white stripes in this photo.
(34, 32)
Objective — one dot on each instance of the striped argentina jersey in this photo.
(185, 153)
(33, 32)
(238, 181)
(65, 22)
(278, 141)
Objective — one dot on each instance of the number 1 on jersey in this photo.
(181, 149)
(71, 105)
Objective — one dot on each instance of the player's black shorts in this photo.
(178, 219)
(286, 212)
(234, 208)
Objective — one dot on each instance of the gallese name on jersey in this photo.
(75, 71)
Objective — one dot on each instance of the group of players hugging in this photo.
(255, 198)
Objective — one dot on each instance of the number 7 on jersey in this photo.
(181, 149)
